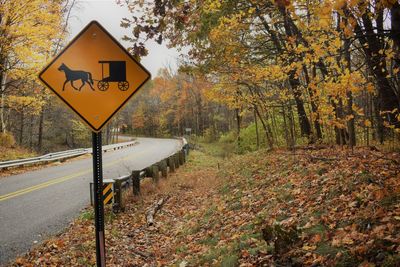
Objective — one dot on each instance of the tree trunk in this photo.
(274, 131)
(350, 123)
(314, 106)
(200, 114)
(288, 143)
(380, 130)
(238, 123)
(350, 113)
(339, 132)
(387, 99)
(293, 81)
(395, 34)
(267, 129)
(292, 129)
(31, 132)
(40, 133)
(3, 80)
(305, 127)
(256, 124)
(21, 128)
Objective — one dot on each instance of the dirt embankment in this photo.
(317, 207)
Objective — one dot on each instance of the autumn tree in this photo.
(318, 59)
(28, 29)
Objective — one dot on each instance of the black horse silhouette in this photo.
(73, 75)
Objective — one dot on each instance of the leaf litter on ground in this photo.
(312, 207)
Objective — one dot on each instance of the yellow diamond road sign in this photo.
(94, 75)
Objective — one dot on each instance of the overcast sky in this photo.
(109, 14)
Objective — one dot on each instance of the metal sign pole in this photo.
(98, 200)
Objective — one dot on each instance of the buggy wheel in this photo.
(102, 85)
(123, 86)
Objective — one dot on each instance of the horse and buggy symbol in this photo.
(117, 74)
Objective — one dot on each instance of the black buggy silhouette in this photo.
(117, 74)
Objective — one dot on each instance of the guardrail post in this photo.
(177, 161)
(155, 173)
(118, 200)
(163, 168)
(187, 149)
(185, 155)
(171, 163)
(148, 172)
(181, 157)
(136, 182)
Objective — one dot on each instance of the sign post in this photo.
(95, 76)
(98, 199)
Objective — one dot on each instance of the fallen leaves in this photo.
(259, 209)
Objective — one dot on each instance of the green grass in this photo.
(212, 255)
(225, 189)
(248, 227)
(198, 160)
(181, 249)
(192, 230)
(316, 229)
(209, 241)
(390, 200)
(209, 257)
(217, 149)
(325, 249)
(229, 260)
(87, 215)
(109, 216)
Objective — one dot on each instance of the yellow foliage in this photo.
(25, 103)
(28, 31)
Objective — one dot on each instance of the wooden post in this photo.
(181, 157)
(155, 173)
(184, 155)
(118, 201)
(171, 163)
(136, 182)
(164, 168)
(177, 161)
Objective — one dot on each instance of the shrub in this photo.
(229, 137)
(7, 140)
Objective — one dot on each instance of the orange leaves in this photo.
(340, 207)
(339, 4)
(23, 262)
(316, 239)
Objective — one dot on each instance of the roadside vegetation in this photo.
(260, 74)
(316, 206)
(9, 150)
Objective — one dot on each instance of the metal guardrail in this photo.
(60, 156)
(154, 171)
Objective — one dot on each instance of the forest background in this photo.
(258, 74)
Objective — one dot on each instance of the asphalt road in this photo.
(41, 203)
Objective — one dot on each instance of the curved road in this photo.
(37, 204)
